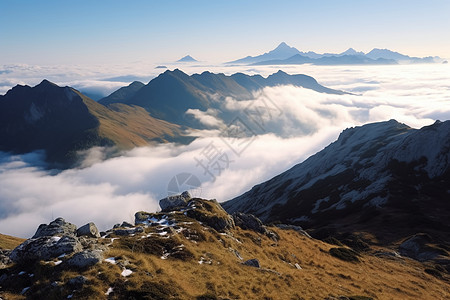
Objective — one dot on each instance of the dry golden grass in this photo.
(221, 275)
(130, 126)
(9, 242)
(224, 277)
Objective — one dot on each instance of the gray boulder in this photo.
(252, 263)
(128, 231)
(77, 282)
(89, 230)
(85, 258)
(141, 217)
(248, 221)
(58, 227)
(45, 248)
(171, 202)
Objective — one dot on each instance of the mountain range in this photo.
(162, 96)
(286, 55)
(384, 178)
(62, 121)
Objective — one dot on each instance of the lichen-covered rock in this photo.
(211, 213)
(44, 248)
(58, 227)
(89, 230)
(172, 202)
(85, 258)
(4, 258)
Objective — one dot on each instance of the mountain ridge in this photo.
(348, 57)
(63, 121)
(368, 173)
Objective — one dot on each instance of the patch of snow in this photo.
(126, 272)
(111, 260)
(58, 262)
(55, 238)
(22, 273)
(317, 204)
(69, 296)
(24, 290)
(109, 291)
(62, 255)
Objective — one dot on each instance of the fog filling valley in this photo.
(111, 191)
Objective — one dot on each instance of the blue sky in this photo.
(46, 32)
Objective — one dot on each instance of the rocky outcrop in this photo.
(85, 258)
(420, 247)
(89, 230)
(4, 258)
(44, 248)
(250, 222)
(58, 227)
(172, 202)
(60, 238)
(211, 213)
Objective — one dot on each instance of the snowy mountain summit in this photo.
(375, 173)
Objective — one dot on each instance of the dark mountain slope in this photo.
(172, 93)
(386, 178)
(123, 94)
(63, 121)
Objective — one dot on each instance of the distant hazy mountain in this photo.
(350, 51)
(187, 58)
(63, 121)
(329, 60)
(124, 93)
(283, 51)
(285, 55)
(172, 93)
(375, 177)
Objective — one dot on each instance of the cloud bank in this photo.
(111, 191)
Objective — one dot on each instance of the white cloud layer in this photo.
(108, 192)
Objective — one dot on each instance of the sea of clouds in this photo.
(302, 122)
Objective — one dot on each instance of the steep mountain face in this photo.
(63, 121)
(172, 93)
(123, 94)
(375, 177)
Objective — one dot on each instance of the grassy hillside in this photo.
(9, 242)
(190, 260)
